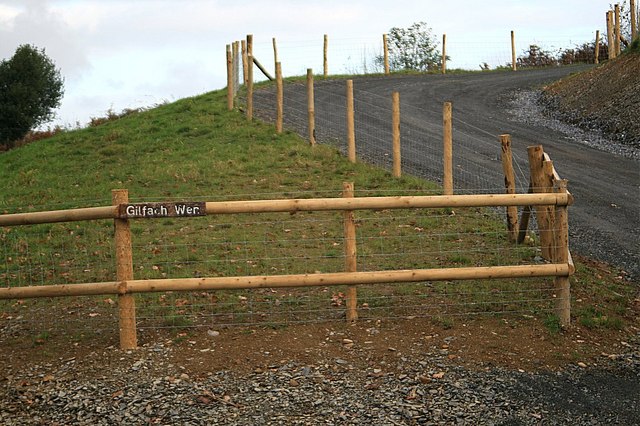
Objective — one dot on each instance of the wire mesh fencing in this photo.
(362, 55)
(477, 164)
(268, 244)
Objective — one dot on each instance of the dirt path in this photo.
(604, 219)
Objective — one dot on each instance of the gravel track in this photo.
(603, 176)
(144, 387)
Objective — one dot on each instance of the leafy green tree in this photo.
(413, 48)
(30, 89)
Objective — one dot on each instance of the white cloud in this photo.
(38, 25)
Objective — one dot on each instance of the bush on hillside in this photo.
(30, 89)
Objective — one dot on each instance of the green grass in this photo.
(591, 317)
(552, 324)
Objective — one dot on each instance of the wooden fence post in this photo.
(250, 44)
(539, 185)
(245, 74)
(597, 49)
(561, 255)
(447, 159)
(325, 64)
(510, 186)
(275, 51)
(395, 122)
(249, 87)
(549, 182)
(230, 90)
(236, 67)
(523, 225)
(513, 51)
(385, 48)
(279, 98)
(350, 255)
(444, 53)
(634, 18)
(351, 130)
(617, 32)
(124, 272)
(311, 113)
(610, 47)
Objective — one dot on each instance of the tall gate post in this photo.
(124, 272)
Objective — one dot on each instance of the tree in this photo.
(536, 57)
(30, 89)
(413, 48)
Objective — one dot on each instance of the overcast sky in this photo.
(125, 53)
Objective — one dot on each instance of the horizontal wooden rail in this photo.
(311, 204)
(378, 203)
(263, 69)
(275, 281)
(71, 215)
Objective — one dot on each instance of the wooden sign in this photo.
(157, 210)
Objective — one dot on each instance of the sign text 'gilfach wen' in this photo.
(156, 210)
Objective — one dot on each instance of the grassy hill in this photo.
(193, 147)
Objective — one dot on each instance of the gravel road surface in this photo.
(603, 176)
(150, 387)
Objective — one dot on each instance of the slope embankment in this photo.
(605, 98)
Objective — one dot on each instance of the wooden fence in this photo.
(125, 286)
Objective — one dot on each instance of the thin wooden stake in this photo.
(561, 255)
(597, 51)
(513, 51)
(311, 113)
(510, 186)
(262, 68)
(279, 99)
(249, 87)
(385, 47)
(250, 44)
(230, 91)
(236, 67)
(523, 226)
(351, 130)
(616, 30)
(324, 56)
(350, 255)
(395, 122)
(275, 51)
(444, 53)
(549, 181)
(124, 272)
(245, 72)
(447, 148)
(610, 47)
(634, 18)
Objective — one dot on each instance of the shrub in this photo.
(30, 89)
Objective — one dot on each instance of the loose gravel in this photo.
(145, 388)
(532, 108)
